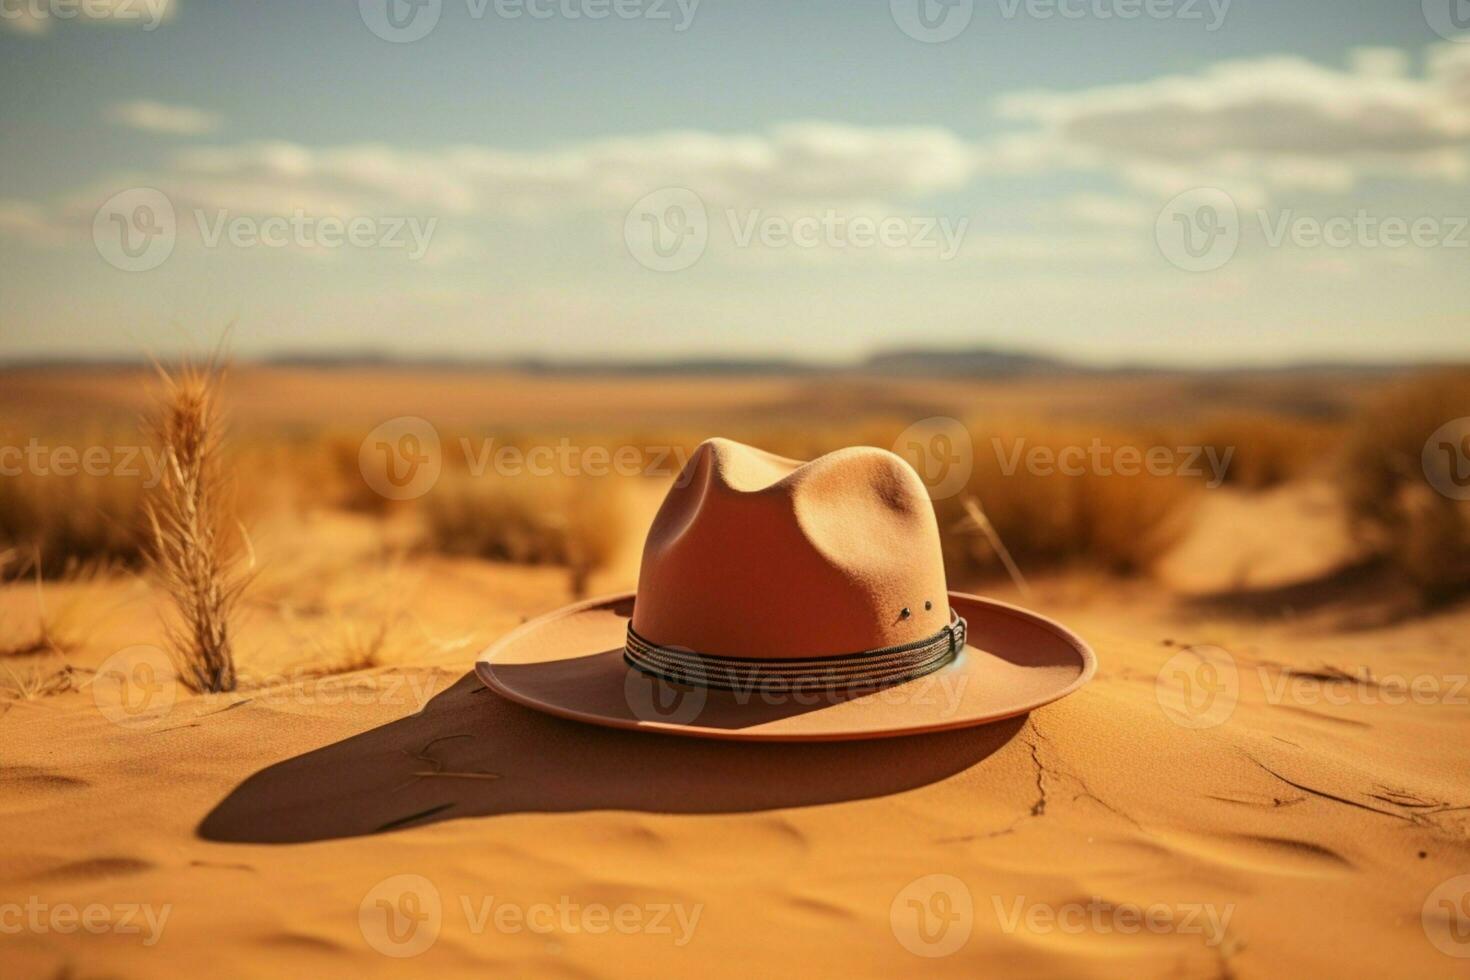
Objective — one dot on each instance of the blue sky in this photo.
(533, 155)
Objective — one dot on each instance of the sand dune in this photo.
(1306, 829)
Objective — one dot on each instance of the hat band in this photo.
(875, 668)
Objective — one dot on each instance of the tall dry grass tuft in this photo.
(188, 515)
(1396, 491)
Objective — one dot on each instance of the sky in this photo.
(1192, 182)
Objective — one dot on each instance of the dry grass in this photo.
(1119, 523)
(188, 515)
(572, 522)
(355, 633)
(1268, 450)
(36, 681)
(1422, 532)
(60, 516)
(60, 623)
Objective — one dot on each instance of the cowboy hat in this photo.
(789, 601)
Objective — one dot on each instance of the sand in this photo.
(1298, 821)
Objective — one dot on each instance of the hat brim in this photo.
(570, 663)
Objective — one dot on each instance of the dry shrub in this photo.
(42, 679)
(282, 473)
(1120, 523)
(59, 623)
(346, 486)
(62, 521)
(190, 520)
(1395, 506)
(1267, 450)
(575, 523)
(1115, 522)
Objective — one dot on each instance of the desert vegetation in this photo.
(64, 533)
(189, 516)
(1390, 476)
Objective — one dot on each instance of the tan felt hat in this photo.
(789, 601)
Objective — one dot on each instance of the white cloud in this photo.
(38, 16)
(1108, 211)
(29, 221)
(1279, 121)
(806, 163)
(1256, 128)
(158, 117)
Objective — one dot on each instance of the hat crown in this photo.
(755, 555)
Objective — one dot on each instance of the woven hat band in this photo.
(868, 668)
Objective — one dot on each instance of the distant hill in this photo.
(936, 362)
(978, 362)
